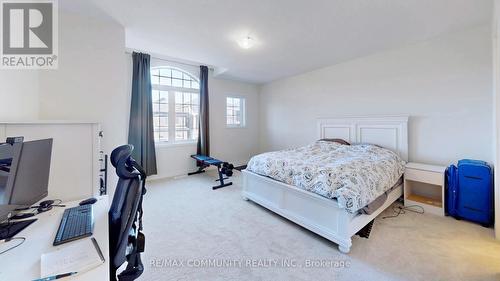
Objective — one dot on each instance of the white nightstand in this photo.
(424, 186)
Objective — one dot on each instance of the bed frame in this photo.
(319, 214)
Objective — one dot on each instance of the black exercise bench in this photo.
(223, 168)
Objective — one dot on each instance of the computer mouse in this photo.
(45, 206)
(88, 201)
(46, 203)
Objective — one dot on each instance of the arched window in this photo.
(176, 104)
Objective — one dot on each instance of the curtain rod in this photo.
(160, 57)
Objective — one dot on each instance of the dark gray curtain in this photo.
(203, 146)
(140, 131)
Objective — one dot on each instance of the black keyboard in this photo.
(76, 223)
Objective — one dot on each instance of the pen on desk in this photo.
(98, 249)
(58, 276)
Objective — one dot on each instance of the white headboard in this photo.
(390, 132)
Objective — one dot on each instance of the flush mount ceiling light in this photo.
(246, 42)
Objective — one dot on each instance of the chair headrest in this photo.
(124, 151)
(123, 162)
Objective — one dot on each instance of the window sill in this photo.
(235, 127)
(175, 144)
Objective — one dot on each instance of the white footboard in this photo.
(316, 213)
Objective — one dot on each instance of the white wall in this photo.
(445, 84)
(90, 81)
(19, 95)
(235, 145)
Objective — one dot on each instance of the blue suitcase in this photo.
(475, 192)
(451, 194)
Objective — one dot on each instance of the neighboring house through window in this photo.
(176, 105)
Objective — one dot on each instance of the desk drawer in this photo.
(424, 176)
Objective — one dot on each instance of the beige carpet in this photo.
(194, 233)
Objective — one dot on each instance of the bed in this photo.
(315, 211)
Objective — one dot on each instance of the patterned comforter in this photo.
(355, 175)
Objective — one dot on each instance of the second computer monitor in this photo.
(31, 176)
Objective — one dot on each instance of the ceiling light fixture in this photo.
(246, 42)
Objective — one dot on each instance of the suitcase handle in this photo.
(473, 177)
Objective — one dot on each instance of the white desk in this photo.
(23, 262)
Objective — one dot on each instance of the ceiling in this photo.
(292, 36)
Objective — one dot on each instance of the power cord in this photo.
(35, 211)
(58, 204)
(401, 210)
(22, 239)
(43, 207)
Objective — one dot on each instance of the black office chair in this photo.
(126, 240)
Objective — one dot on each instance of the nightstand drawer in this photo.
(424, 176)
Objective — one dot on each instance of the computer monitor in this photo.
(9, 158)
(29, 176)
